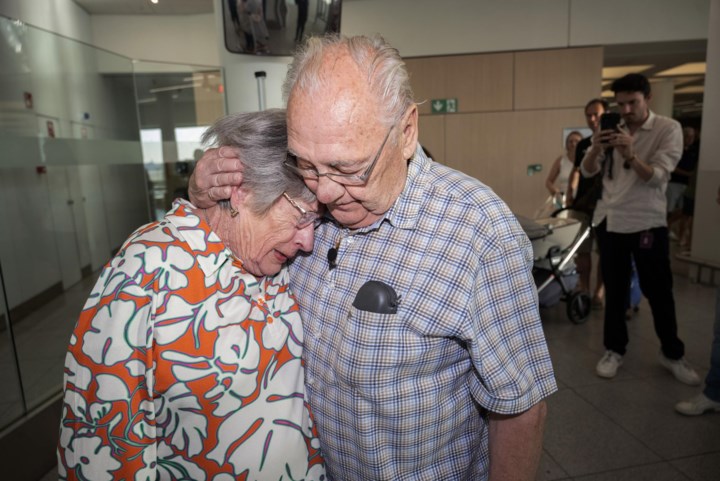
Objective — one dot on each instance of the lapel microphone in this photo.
(332, 254)
(332, 258)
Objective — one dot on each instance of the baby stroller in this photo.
(555, 241)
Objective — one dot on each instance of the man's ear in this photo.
(410, 131)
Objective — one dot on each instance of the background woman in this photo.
(558, 179)
(185, 362)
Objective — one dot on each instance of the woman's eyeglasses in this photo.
(307, 217)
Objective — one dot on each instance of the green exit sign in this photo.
(444, 106)
(533, 169)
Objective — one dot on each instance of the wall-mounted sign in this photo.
(444, 106)
(533, 169)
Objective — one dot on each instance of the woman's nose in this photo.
(305, 237)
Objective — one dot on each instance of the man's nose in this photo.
(305, 238)
(328, 191)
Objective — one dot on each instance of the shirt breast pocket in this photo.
(370, 348)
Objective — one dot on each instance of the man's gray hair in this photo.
(261, 141)
(384, 69)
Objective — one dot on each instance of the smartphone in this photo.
(609, 121)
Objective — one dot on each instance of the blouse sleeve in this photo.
(107, 429)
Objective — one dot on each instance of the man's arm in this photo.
(655, 170)
(590, 164)
(214, 177)
(516, 444)
(623, 142)
(573, 183)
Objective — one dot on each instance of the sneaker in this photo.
(607, 366)
(681, 369)
(697, 405)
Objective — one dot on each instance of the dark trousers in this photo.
(712, 381)
(651, 251)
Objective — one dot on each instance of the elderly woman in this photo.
(185, 362)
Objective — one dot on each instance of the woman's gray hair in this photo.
(385, 71)
(261, 141)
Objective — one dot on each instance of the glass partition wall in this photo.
(175, 103)
(77, 176)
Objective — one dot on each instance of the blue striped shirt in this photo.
(406, 395)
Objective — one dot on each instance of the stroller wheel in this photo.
(578, 307)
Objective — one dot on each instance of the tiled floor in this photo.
(597, 430)
(626, 428)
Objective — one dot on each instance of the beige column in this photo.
(706, 225)
(661, 101)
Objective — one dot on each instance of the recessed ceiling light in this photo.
(693, 68)
(617, 72)
(155, 1)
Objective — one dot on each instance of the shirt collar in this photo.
(207, 247)
(405, 212)
(649, 122)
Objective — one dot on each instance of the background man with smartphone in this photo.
(635, 154)
(586, 197)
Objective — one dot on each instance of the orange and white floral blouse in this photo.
(183, 366)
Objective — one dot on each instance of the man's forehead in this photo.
(625, 97)
(332, 118)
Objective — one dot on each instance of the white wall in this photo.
(431, 27)
(637, 21)
(186, 39)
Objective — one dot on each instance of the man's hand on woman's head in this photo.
(214, 177)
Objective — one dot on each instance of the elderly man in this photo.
(439, 368)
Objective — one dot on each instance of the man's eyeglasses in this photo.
(307, 217)
(345, 179)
